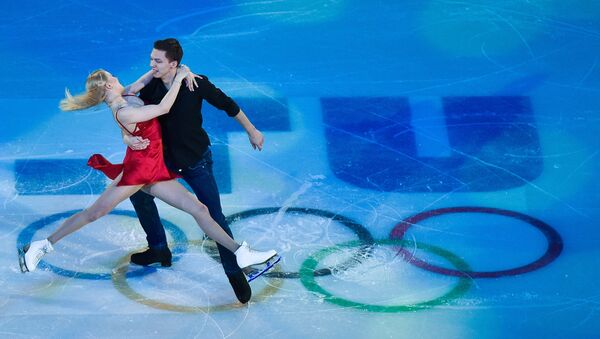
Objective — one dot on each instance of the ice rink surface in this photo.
(428, 171)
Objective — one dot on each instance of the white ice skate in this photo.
(247, 257)
(30, 255)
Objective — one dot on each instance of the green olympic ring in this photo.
(309, 281)
(119, 280)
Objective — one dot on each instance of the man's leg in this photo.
(202, 181)
(158, 250)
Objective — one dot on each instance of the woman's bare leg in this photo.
(174, 194)
(107, 201)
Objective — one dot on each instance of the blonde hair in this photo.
(93, 95)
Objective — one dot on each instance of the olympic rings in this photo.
(308, 271)
(364, 236)
(27, 234)
(309, 281)
(119, 279)
(555, 243)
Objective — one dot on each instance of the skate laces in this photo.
(42, 251)
(39, 254)
(251, 251)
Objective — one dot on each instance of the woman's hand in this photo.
(182, 72)
(135, 143)
(190, 81)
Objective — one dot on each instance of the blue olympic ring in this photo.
(25, 237)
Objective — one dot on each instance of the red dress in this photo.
(139, 167)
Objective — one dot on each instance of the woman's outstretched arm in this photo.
(144, 113)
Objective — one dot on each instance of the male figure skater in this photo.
(187, 151)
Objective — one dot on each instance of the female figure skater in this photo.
(141, 169)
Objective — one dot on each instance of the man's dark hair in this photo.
(172, 49)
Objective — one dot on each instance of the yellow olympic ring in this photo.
(120, 282)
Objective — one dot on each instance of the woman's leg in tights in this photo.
(110, 198)
(174, 194)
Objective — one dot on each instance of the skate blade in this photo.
(21, 254)
(268, 265)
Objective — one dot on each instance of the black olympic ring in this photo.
(364, 236)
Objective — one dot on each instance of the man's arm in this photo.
(254, 135)
(220, 100)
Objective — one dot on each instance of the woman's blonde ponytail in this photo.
(94, 93)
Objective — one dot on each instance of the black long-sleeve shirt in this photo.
(184, 139)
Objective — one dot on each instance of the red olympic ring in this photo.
(555, 243)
